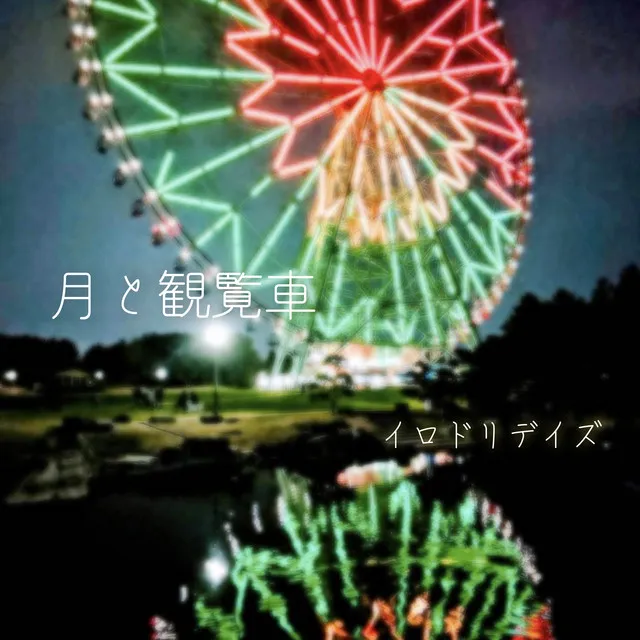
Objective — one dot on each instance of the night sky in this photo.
(581, 65)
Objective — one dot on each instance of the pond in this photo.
(278, 545)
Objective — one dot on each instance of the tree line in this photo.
(553, 357)
(38, 360)
(567, 356)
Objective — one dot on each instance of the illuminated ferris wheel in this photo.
(380, 146)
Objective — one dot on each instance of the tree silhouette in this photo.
(565, 358)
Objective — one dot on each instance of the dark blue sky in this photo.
(59, 211)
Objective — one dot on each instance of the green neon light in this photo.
(426, 295)
(165, 167)
(125, 12)
(337, 283)
(200, 203)
(145, 96)
(174, 123)
(486, 211)
(464, 258)
(474, 232)
(261, 186)
(288, 212)
(147, 6)
(225, 158)
(237, 243)
(206, 236)
(171, 71)
(208, 116)
(129, 44)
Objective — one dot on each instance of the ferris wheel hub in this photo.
(372, 80)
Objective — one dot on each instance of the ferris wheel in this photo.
(380, 146)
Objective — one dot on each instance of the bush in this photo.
(162, 419)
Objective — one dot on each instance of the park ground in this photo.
(251, 417)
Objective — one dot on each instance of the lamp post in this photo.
(11, 376)
(161, 374)
(217, 337)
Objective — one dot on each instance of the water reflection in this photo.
(396, 558)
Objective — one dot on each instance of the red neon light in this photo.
(327, 54)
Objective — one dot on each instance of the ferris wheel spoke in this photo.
(456, 177)
(180, 122)
(356, 27)
(495, 159)
(224, 158)
(443, 265)
(372, 31)
(285, 217)
(463, 71)
(129, 44)
(315, 27)
(148, 98)
(440, 179)
(337, 20)
(499, 231)
(466, 261)
(499, 192)
(427, 295)
(493, 257)
(204, 204)
(121, 11)
(406, 176)
(147, 6)
(338, 280)
(425, 210)
(237, 41)
(481, 242)
(437, 209)
(455, 117)
(365, 306)
(316, 174)
(283, 167)
(497, 219)
(292, 207)
(205, 238)
(427, 35)
(400, 98)
(490, 127)
(186, 72)
(394, 262)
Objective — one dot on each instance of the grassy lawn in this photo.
(257, 415)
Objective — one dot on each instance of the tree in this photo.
(36, 359)
(561, 357)
(135, 362)
(438, 382)
(335, 378)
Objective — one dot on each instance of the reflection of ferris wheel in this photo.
(380, 146)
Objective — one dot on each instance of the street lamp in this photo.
(161, 374)
(217, 337)
(99, 376)
(11, 376)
